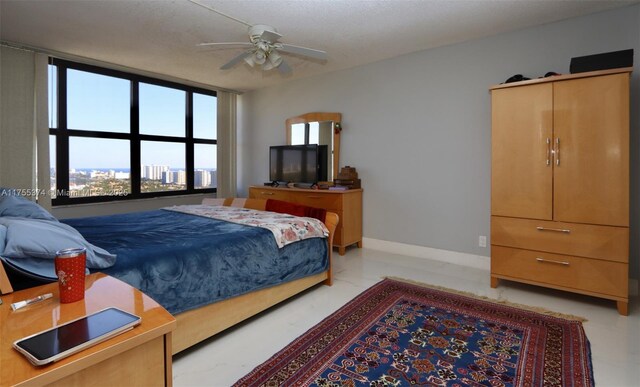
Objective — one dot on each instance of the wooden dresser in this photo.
(560, 183)
(347, 204)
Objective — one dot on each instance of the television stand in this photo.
(347, 204)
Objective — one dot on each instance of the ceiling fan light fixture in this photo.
(263, 47)
(275, 59)
(267, 66)
(258, 57)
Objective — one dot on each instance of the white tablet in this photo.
(64, 340)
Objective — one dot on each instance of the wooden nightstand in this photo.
(138, 357)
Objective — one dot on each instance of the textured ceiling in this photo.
(161, 35)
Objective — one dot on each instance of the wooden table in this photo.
(141, 356)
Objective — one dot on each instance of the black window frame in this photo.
(62, 134)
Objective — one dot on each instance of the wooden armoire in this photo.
(560, 183)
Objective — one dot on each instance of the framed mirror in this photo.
(321, 129)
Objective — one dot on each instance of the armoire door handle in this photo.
(557, 151)
(548, 151)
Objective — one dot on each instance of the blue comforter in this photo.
(185, 261)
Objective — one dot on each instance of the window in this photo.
(119, 136)
(305, 134)
(162, 111)
(97, 102)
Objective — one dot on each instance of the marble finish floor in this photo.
(225, 358)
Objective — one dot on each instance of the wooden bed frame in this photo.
(199, 324)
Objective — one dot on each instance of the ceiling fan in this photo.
(263, 48)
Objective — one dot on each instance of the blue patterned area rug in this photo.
(401, 334)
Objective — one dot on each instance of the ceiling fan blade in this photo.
(235, 60)
(284, 68)
(225, 44)
(310, 52)
(270, 36)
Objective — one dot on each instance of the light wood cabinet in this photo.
(139, 357)
(591, 175)
(560, 183)
(347, 204)
(521, 174)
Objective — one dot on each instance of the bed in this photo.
(296, 266)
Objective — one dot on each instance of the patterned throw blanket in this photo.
(285, 228)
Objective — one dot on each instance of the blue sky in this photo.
(102, 103)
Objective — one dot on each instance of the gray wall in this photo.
(418, 127)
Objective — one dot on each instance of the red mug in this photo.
(70, 269)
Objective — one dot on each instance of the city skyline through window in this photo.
(121, 132)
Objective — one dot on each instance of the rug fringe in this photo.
(536, 309)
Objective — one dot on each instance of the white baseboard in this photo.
(463, 259)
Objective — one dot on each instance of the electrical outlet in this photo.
(482, 241)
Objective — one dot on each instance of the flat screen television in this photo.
(306, 164)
